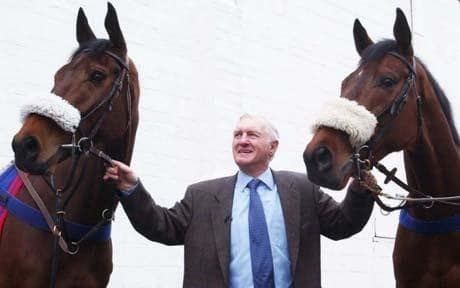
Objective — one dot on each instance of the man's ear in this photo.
(274, 146)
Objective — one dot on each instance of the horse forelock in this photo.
(378, 50)
(93, 48)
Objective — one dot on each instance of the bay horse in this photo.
(62, 149)
(390, 103)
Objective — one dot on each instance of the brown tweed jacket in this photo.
(201, 223)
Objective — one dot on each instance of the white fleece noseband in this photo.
(350, 117)
(54, 107)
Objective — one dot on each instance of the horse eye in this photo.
(97, 77)
(387, 82)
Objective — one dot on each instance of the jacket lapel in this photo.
(290, 203)
(221, 222)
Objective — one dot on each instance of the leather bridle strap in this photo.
(398, 103)
(410, 66)
(75, 146)
(392, 110)
(49, 220)
(116, 87)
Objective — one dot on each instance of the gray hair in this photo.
(267, 126)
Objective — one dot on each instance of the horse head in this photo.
(93, 102)
(378, 110)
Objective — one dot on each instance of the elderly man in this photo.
(258, 228)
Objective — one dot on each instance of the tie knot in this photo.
(253, 184)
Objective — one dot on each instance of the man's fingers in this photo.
(122, 166)
(111, 173)
(110, 176)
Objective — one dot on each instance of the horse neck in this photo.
(433, 162)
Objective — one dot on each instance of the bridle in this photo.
(363, 158)
(84, 145)
(394, 108)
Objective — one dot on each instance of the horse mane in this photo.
(376, 52)
(93, 48)
(445, 104)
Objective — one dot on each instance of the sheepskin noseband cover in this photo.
(350, 117)
(56, 108)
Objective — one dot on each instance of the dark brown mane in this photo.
(378, 50)
(445, 104)
(94, 47)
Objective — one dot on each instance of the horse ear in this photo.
(84, 32)
(113, 28)
(362, 40)
(403, 34)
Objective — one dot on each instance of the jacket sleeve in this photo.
(342, 220)
(156, 223)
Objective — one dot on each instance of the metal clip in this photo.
(56, 231)
(60, 212)
(108, 215)
(84, 144)
(429, 204)
(75, 249)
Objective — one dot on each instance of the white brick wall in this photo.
(201, 65)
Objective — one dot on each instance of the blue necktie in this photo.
(259, 241)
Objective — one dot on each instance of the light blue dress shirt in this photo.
(240, 257)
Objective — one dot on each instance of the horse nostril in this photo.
(322, 157)
(28, 148)
(30, 144)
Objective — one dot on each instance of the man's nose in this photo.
(244, 139)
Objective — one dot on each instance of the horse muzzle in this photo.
(322, 170)
(26, 152)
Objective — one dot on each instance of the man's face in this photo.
(252, 147)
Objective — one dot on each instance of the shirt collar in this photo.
(243, 179)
